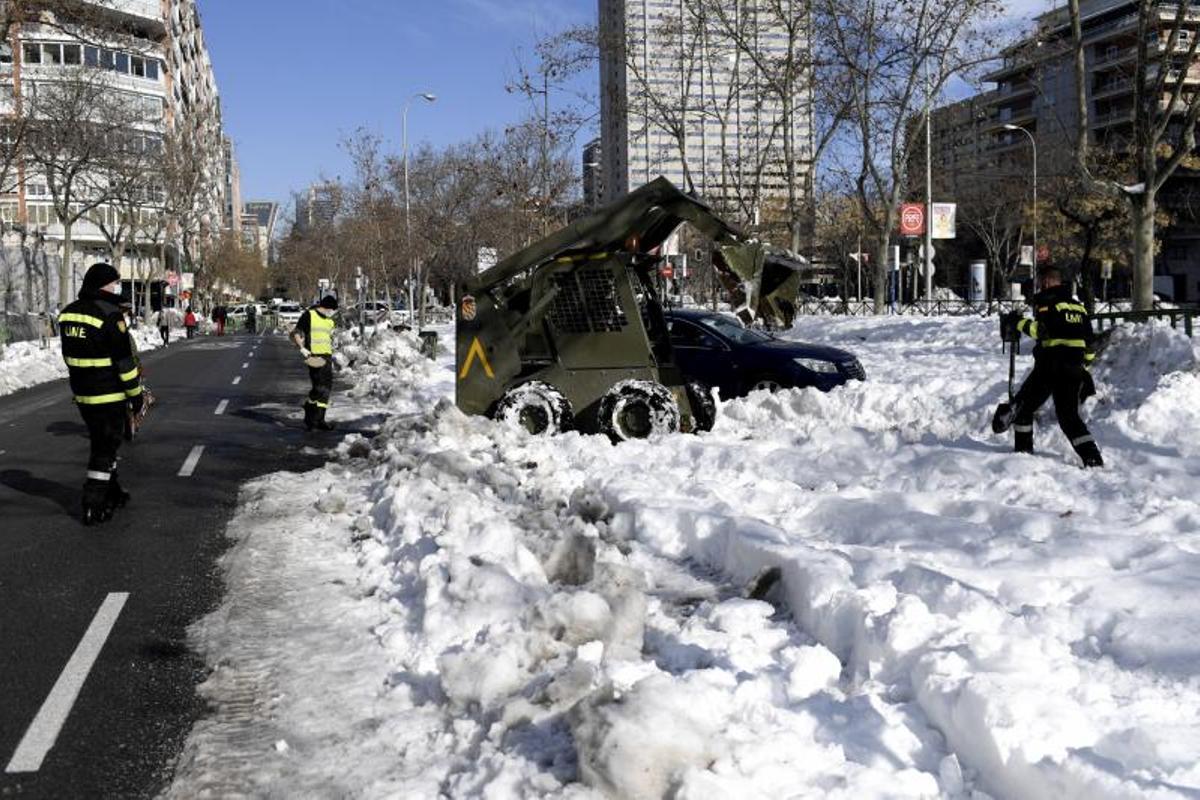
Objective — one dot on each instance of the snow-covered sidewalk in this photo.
(855, 594)
(25, 364)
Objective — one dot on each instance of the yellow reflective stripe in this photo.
(128, 376)
(1089, 357)
(1071, 307)
(86, 319)
(319, 404)
(1080, 343)
(1028, 326)
(133, 392)
(88, 362)
(100, 399)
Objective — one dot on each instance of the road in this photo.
(96, 679)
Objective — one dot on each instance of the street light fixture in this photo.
(428, 97)
(1033, 144)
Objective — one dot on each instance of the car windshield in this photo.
(732, 329)
(288, 309)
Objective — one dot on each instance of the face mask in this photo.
(113, 288)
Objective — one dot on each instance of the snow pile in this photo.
(26, 364)
(853, 594)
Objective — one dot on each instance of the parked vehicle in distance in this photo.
(718, 351)
(289, 314)
(374, 311)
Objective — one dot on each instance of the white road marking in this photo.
(189, 464)
(221, 406)
(245, 364)
(237, 380)
(43, 731)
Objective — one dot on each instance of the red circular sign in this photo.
(912, 220)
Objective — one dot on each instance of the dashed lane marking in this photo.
(43, 731)
(221, 406)
(237, 380)
(189, 463)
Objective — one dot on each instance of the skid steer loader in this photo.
(569, 332)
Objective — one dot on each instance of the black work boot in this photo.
(1023, 442)
(96, 506)
(310, 416)
(321, 424)
(1090, 454)
(117, 496)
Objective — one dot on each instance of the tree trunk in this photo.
(64, 268)
(882, 265)
(1143, 206)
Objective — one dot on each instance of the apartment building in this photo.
(659, 61)
(258, 227)
(150, 53)
(1035, 90)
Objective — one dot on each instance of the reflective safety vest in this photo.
(320, 333)
(1061, 326)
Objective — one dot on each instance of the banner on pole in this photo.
(944, 215)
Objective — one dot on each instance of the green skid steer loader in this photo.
(569, 332)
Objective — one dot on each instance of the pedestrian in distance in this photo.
(219, 318)
(313, 334)
(251, 318)
(1062, 355)
(105, 381)
(189, 322)
(163, 320)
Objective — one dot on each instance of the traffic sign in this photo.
(912, 219)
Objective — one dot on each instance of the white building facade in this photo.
(665, 65)
(152, 53)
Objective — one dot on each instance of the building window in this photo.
(107, 59)
(52, 53)
(6, 56)
(152, 68)
(32, 53)
(137, 67)
(123, 63)
(71, 54)
(91, 56)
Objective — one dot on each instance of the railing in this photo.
(1175, 315)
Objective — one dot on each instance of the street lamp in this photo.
(428, 97)
(1033, 144)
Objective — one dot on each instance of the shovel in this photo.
(1002, 420)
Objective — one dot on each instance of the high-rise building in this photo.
(1035, 90)
(593, 175)
(654, 53)
(258, 227)
(317, 206)
(232, 217)
(151, 56)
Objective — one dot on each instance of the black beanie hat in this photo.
(328, 301)
(98, 276)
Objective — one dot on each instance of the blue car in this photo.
(716, 350)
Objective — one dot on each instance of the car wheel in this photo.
(704, 407)
(638, 410)
(767, 382)
(537, 407)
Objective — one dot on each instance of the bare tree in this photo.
(1165, 115)
(898, 58)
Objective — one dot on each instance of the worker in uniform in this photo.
(105, 380)
(313, 334)
(1062, 355)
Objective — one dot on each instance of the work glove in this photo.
(135, 404)
(304, 352)
(1008, 326)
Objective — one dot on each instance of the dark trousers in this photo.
(165, 333)
(322, 384)
(106, 427)
(1065, 383)
(191, 331)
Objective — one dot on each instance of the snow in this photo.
(25, 364)
(856, 594)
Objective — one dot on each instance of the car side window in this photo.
(684, 334)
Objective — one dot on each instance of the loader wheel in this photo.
(535, 406)
(704, 407)
(637, 410)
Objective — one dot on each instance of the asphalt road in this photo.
(96, 679)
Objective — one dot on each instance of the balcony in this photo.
(1109, 118)
(1112, 88)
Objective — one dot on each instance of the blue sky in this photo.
(295, 76)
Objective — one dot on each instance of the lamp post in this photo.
(428, 97)
(1033, 144)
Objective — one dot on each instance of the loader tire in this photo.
(537, 407)
(638, 410)
(704, 407)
